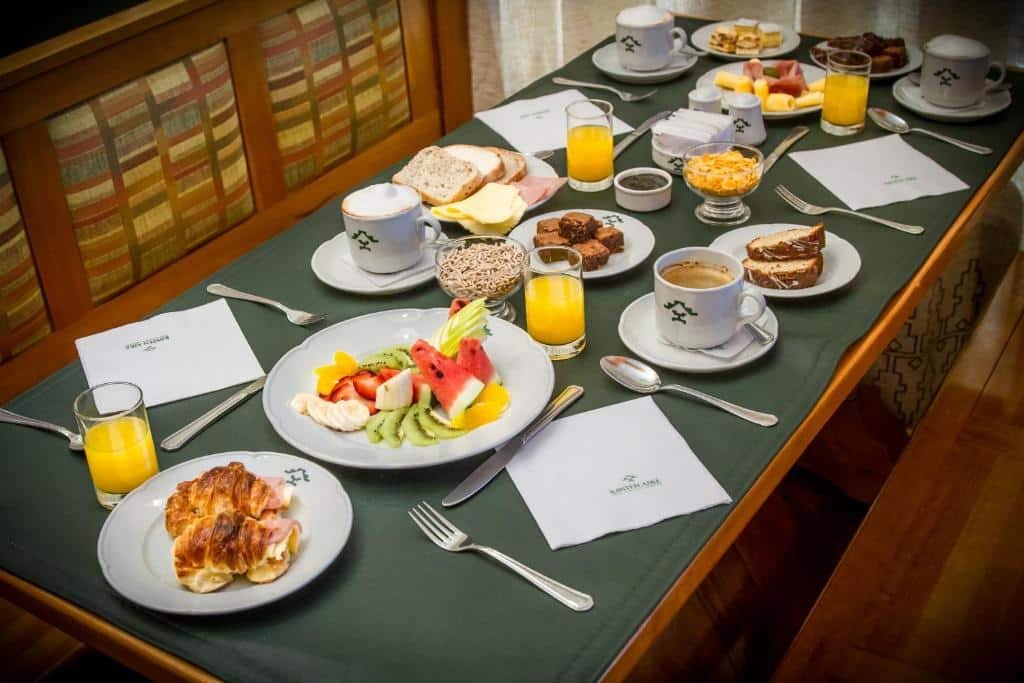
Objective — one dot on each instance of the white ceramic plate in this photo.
(638, 240)
(701, 39)
(535, 167)
(606, 59)
(914, 59)
(841, 265)
(811, 74)
(331, 268)
(909, 95)
(522, 363)
(637, 331)
(134, 549)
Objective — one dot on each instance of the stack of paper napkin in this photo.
(684, 129)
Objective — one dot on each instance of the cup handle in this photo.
(1002, 75)
(431, 224)
(758, 298)
(685, 49)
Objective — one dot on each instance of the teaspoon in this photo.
(643, 379)
(895, 124)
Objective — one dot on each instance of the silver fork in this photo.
(74, 440)
(294, 316)
(624, 96)
(446, 535)
(812, 210)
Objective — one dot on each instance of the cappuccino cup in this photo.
(644, 36)
(699, 294)
(386, 227)
(954, 71)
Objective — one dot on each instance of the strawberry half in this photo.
(386, 373)
(345, 390)
(366, 384)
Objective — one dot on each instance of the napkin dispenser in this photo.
(683, 130)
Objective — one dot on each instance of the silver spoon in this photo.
(895, 124)
(74, 440)
(643, 379)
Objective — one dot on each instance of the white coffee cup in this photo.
(386, 227)
(645, 37)
(706, 99)
(702, 318)
(747, 118)
(954, 71)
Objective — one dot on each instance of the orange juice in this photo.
(120, 454)
(846, 99)
(554, 309)
(589, 153)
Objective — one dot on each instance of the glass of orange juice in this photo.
(588, 146)
(846, 92)
(554, 301)
(119, 448)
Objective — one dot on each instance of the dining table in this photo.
(392, 606)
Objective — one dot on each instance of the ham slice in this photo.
(789, 81)
(280, 528)
(280, 493)
(533, 189)
(754, 69)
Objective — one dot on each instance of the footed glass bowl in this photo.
(722, 174)
(487, 266)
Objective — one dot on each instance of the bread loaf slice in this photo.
(799, 243)
(793, 274)
(488, 164)
(514, 163)
(439, 177)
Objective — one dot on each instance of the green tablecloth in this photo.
(394, 607)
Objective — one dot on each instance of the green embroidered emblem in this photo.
(364, 239)
(679, 316)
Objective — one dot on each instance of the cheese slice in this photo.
(725, 79)
(817, 86)
(494, 203)
(502, 228)
(810, 99)
(780, 101)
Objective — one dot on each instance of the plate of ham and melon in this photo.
(806, 78)
(525, 370)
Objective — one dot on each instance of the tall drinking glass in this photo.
(119, 448)
(554, 301)
(846, 92)
(588, 146)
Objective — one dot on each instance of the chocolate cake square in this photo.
(547, 225)
(612, 239)
(577, 227)
(594, 254)
(550, 239)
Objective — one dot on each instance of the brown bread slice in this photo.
(514, 162)
(798, 243)
(794, 274)
(439, 177)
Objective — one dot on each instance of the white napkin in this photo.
(877, 172)
(172, 356)
(381, 280)
(533, 125)
(737, 342)
(587, 476)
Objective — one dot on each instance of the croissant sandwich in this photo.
(225, 489)
(213, 549)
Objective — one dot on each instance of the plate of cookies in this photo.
(745, 38)
(610, 242)
(786, 261)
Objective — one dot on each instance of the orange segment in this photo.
(346, 362)
(328, 375)
(488, 407)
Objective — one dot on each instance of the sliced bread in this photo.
(487, 163)
(514, 163)
(439, 177)
(793, 274)
(799, 243)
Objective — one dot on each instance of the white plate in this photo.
(638, 240)
(811, 74)
(637, 331)
(914, 59)
(535, 167)
(909, 95)
(606, 59)
(331, 269)
(523, 365)
(134, 549)
(701, 39)
(842, 261)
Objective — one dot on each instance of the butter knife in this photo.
(186, 433)
(490, 467)
(783, 146)
(635, 135)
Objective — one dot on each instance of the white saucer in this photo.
(914, 59)
(637, 237)
(909, 95)
(811, 73)
(701, 40)
(637, 332)
(331, 270)
(842, 261)
(606, 59)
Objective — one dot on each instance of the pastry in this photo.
(797, 243)
(792, 274)
(745, 26)
(771, 35)
(723, 39)
(748, 44)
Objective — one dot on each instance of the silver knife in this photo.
(635, 135)
(490, 467)
(185, 434)
(788, 142)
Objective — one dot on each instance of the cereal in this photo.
(481, 270)
(724, 174)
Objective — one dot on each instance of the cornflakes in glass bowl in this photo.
(722, 174)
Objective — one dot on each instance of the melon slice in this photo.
(473, 358)
(454, 386)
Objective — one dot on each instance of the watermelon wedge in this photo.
(473, 358)
(454, 386)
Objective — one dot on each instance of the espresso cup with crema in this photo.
(955, 71)
(644, 37)
(386, 227)
(699, 294)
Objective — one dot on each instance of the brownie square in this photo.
(577, 227)
(612, 239)
(547, 225)
(550, 239)
(594, 254)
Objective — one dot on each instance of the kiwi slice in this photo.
(412, 430)
(390, 429)
(425, 396)
(429, 424)
(373, 426)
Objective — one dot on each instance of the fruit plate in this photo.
(811, 73)
(522, 363)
